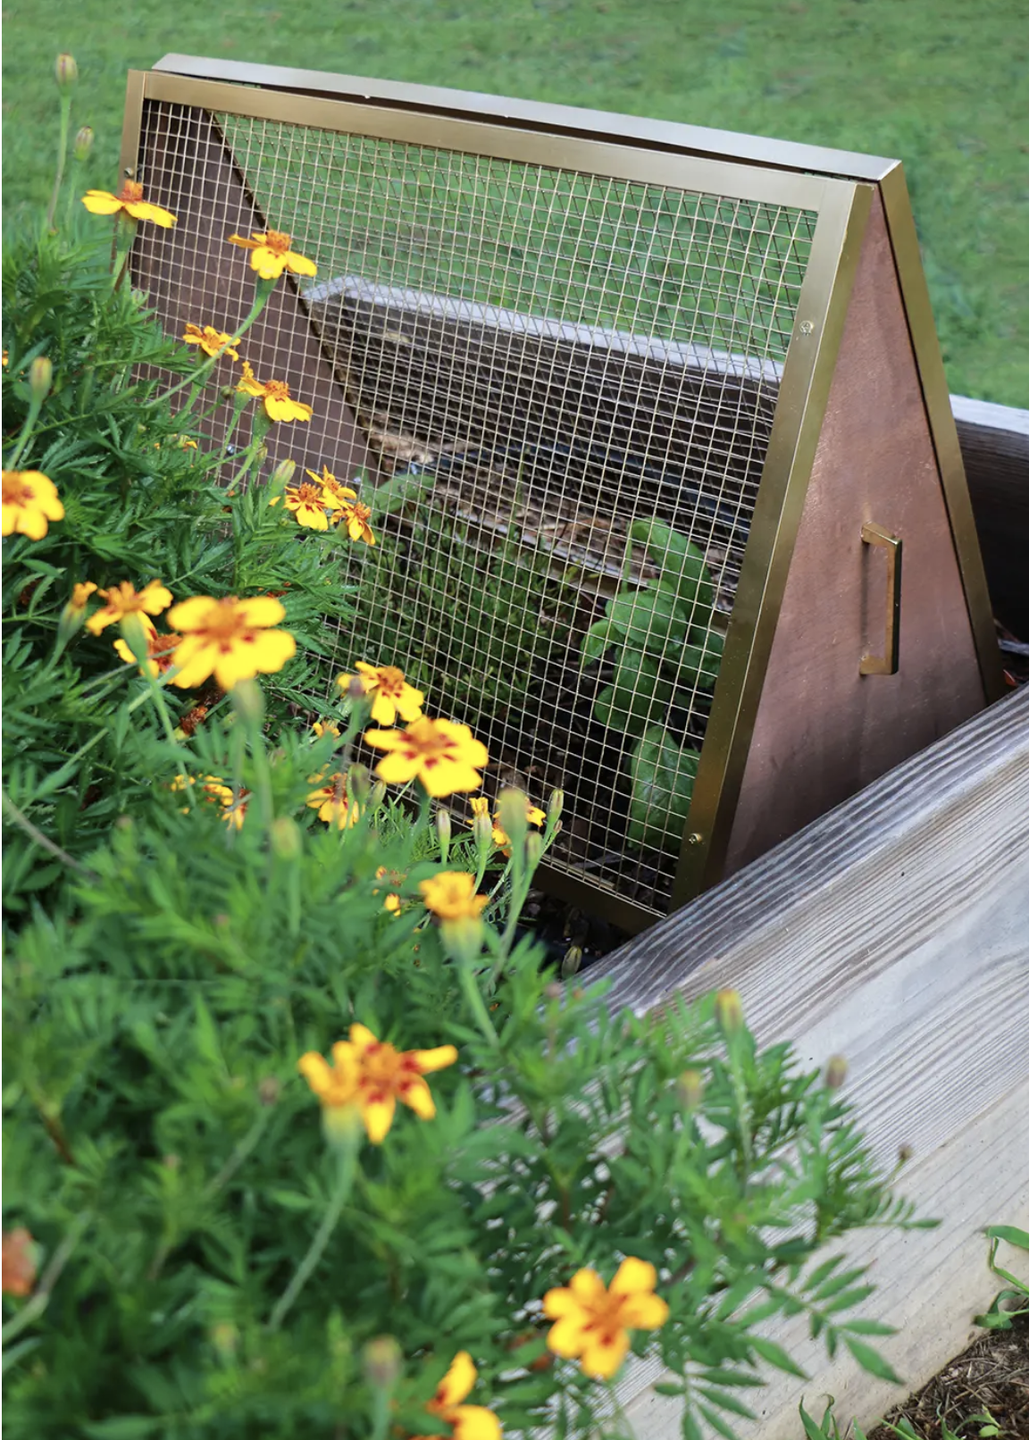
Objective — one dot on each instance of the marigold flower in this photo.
(122, 599)
(593, 1320)
(271, 254)
(129, 200)
(469, 1422)
(278, 403)
(211, 341)
(392, 903)
(329, 483)
(332, 802)
(451, 895)
(325, 727)
(30, 500)
(160, 649)
(390, 693)
(372, 1076)
(19, 1262)
(355, 516)
(308, 504)
(80, 594)
(443, 756)
(230, 639)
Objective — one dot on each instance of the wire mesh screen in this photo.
(567, 383)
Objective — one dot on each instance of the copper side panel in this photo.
(823, 730)
(191, 274)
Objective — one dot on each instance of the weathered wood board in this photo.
(995, 448)
(894, 930)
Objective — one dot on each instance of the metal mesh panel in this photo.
(563, 362)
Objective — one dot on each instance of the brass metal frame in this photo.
(839, 187)
(889, 661)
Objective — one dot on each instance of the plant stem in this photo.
(476, 1003)
(62, 156)
(24, 823)
(344, 1183)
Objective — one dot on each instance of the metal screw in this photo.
(807, 327)
(694, 839)
(128, 172)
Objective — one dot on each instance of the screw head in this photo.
(695, 838)
(807, 327)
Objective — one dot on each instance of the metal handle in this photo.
(888, 663)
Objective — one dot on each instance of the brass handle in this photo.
(887, 663)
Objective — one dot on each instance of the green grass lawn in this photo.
(943, 84)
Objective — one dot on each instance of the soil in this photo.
(988, 1385)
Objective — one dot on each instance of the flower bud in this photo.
(287, 839)
(443, 828)
(571, 962)
(378, 794)
(482, 832)
(555, 805)
(41, 374)
(84, 142)
(225, 1339)
(835, 1072)
(134, 633)
(512, 814)
(462, 939)
(21, 1261)
(533, 849)
(729, 1011)
(283, 473)
(248, 701)
(359, 784)
(73, 616)
(381, 1360)
(66, 72)
(689, 1089)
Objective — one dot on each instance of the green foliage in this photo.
(1013, 1300)
(665, 648)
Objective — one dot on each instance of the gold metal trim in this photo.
(135, 92)
(932, 377)
(889, 661)
(682, 171)
(803, 396)
(530, 114)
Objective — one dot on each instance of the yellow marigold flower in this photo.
(340, 493)
(121, 600)
(214, 789)
(332, 802)
(594, 1320)
(307, 503)
(30, 500)
(129, 201)
(392, 904)
(230, 639)
(160, 649)
(271, 254)
(451, 895)
(444, 756)
(468, 1422)
(390, 693)
(278, 404)
(372, 1075)
(325, 727)
(211, 341)
(80, 595)
(355, 516)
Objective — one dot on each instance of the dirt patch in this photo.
(987, 1385)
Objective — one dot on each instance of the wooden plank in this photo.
(995, 448)
(894, 930)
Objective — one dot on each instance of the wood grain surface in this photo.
(895, 931)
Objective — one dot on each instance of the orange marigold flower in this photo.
(278, 403)
(340, 493)
(451, 895)
(128, 201)
(390, 693)
(122, 599)
(211, 341)
(594, 1320)
(332, 802)
(355, 516)
(308, 503)
(230, 639)
(160, 649)
(443, 756)
(19, 1262)
(271, 254)
(468, 1422)
(372, 1076)
(326, 727)
(30, 501)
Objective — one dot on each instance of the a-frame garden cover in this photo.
(659, 411)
